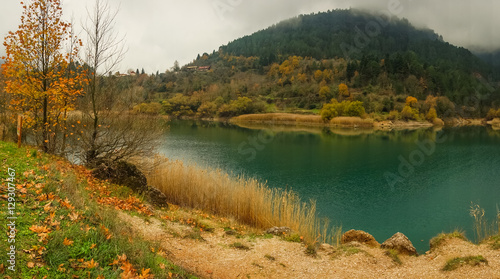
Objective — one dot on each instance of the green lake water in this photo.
(418, 182)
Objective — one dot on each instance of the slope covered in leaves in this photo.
(66, 226)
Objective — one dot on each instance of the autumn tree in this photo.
(344, 90)
(4, 101)
(41, 75)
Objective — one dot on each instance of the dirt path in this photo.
(215, 257)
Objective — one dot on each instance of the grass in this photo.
(294, 237)
(269, 257)
(240, 246)
(483, 229)
(247, 200)
(62, 229)
(346, 250)
(393, 254)
(440, 238)
(455, 263)
(495, 242)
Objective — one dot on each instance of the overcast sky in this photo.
(158, 32)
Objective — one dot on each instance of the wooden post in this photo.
(19, 129)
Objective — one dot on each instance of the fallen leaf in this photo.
(67, 242)
(91, 264)
(39, 229)
(73, 216)
(31, 264)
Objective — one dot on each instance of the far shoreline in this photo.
(291, 119)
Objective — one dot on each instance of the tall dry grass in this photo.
(246, 199)
(483, 229)
(297, 119)
(352, 122)
(280, 118)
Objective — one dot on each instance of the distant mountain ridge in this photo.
(352, 34)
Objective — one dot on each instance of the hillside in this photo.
(61, 223)
(300, 64)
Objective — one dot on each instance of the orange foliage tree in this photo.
(344, 90)
(40, 72)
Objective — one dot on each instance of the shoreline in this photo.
(300, 120)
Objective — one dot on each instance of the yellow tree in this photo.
(40, 72)
(344, 90)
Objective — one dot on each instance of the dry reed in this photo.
(280, 118)
(246, 199)
(352, 122)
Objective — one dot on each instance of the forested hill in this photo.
(352, 34)
(383, 66)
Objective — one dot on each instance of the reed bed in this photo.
(352, 122)
(247, 200)
(280, 118)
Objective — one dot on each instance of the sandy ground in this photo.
(276, 258)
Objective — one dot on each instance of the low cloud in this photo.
(160, 32)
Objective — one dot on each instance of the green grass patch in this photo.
(494, 242)
(393, 254)
(312, 250)
(461, 261)
(440, 238)
(294, 237)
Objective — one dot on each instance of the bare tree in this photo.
(110, 133)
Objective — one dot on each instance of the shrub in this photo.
(492, 114)
(329, 111)
(180, 105)
(431, 115)
(207, 110)
(409, 113)
(445, 107)
(243, 105)
(345, 108)
(151, 108)
(354, 109)
(394, 115)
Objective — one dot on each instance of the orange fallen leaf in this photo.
(91, 264)
(67, 242)
(66, 203)
(93, 246)
(39, 229)
(31, 264)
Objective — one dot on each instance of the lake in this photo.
(418, 182)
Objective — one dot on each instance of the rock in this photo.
(400, 243)
(122, 173)
(156, 197)
(359, 236)
(127, 174)
(325, 247)
(279, 230)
